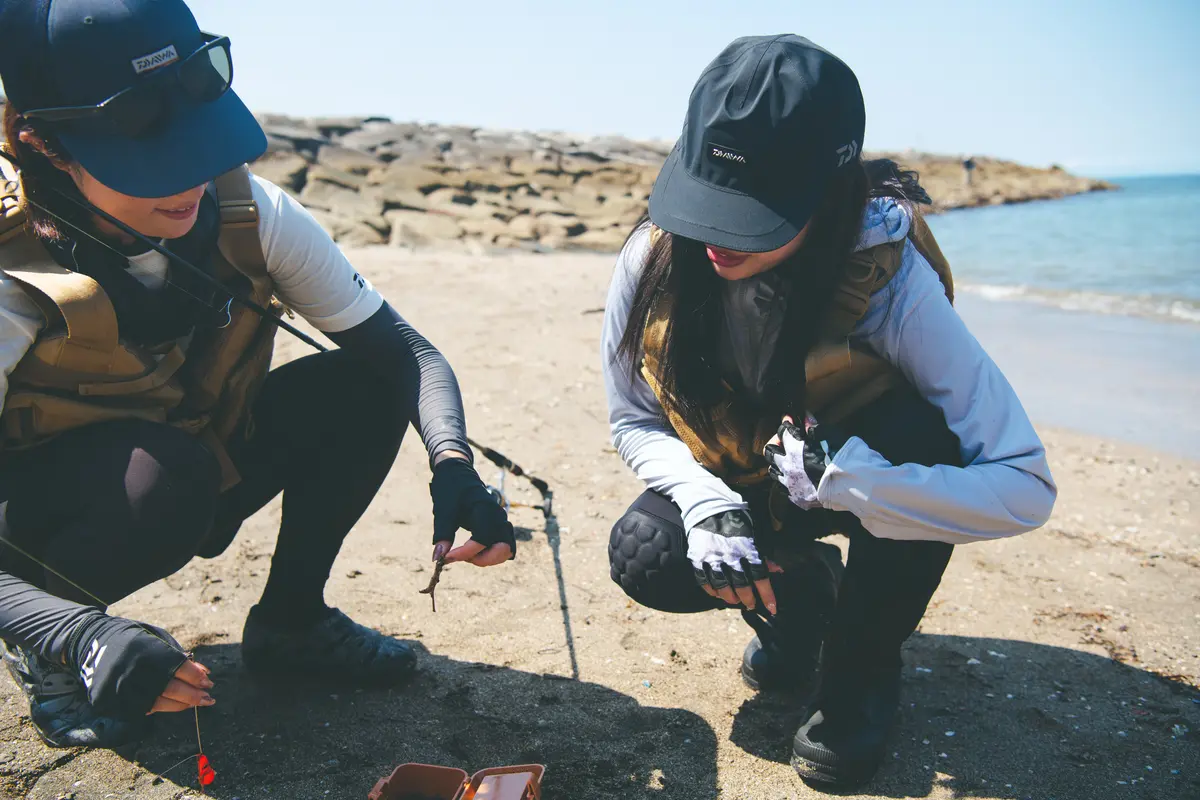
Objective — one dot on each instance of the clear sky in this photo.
(1103, 87)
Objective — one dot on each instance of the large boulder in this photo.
(375, 135)
(340, 200)
(328, 174)
(347, 159)
(285, 170)
(421, 229)
(400, 175)
(486, 229)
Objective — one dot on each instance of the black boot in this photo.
(844, 740)
(886, 588)
(786, 653)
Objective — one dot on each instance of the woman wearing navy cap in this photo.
(780, 277)
(140, 426)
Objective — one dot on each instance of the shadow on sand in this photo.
(290, 741)
(1027, 720)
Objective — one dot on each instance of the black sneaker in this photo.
(843, 742)
(59, 708)
(786, 653)
(335, 649)
(769, 666)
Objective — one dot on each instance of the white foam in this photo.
(1168, 308)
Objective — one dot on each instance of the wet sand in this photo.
(1126, 378)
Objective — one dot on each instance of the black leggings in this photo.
(116, 506)
(887, 583)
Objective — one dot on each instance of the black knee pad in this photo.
(648, 560)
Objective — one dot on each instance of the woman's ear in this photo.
(38, 144)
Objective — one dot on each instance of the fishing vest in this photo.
(80, 370)
(841, 376)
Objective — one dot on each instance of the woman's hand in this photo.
(131, 668)
(188, 689)
(726, 561)
(800, 457)
(461, 500)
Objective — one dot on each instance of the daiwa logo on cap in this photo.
(159, 58)
(847, 152)
(727, 154)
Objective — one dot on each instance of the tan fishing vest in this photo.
(80, 371)
(840, 377)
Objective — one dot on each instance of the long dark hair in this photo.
(678, 267)
(39, 176)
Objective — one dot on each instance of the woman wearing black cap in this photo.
(140, 426)
(781, 277)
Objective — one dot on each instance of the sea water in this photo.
(1134, 251)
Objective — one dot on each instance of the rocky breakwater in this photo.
(373, 181)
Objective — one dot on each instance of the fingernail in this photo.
(206, 684)
(208, 701)
(771, 608)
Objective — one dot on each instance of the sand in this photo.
(1061, 664)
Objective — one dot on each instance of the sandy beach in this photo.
(1062, 664)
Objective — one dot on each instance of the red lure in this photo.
(207, 775)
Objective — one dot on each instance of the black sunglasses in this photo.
(203, 77)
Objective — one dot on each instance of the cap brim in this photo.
(199, 143)
(685, 206)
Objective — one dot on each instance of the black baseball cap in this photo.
(769, 122)
(61, 53)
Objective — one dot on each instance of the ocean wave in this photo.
(1175, 309)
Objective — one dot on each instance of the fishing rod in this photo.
(507, 465)
(158, 248)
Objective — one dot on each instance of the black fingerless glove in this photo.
(125, 665)
(461, 500)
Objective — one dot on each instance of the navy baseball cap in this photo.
(61, 53)
(769, 122)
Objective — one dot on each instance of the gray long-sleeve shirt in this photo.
(1005, 488)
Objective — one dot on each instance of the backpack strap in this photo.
(91, 323)
(12, 208)
(927, 246)
(239, 224)
(865, 273)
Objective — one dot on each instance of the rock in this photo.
(486, 228)
(360, 235)
(459, 203)
(394, 198)
(523, 227)
(556, 226)
(347, 159)
(419, 228)
(374, 135)
(286, 170)
(481, 180)
(583, 201)
(407, 176)
(539, 205)
(338, 126)
(340, 200)
(293, 136)
(328, 174)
